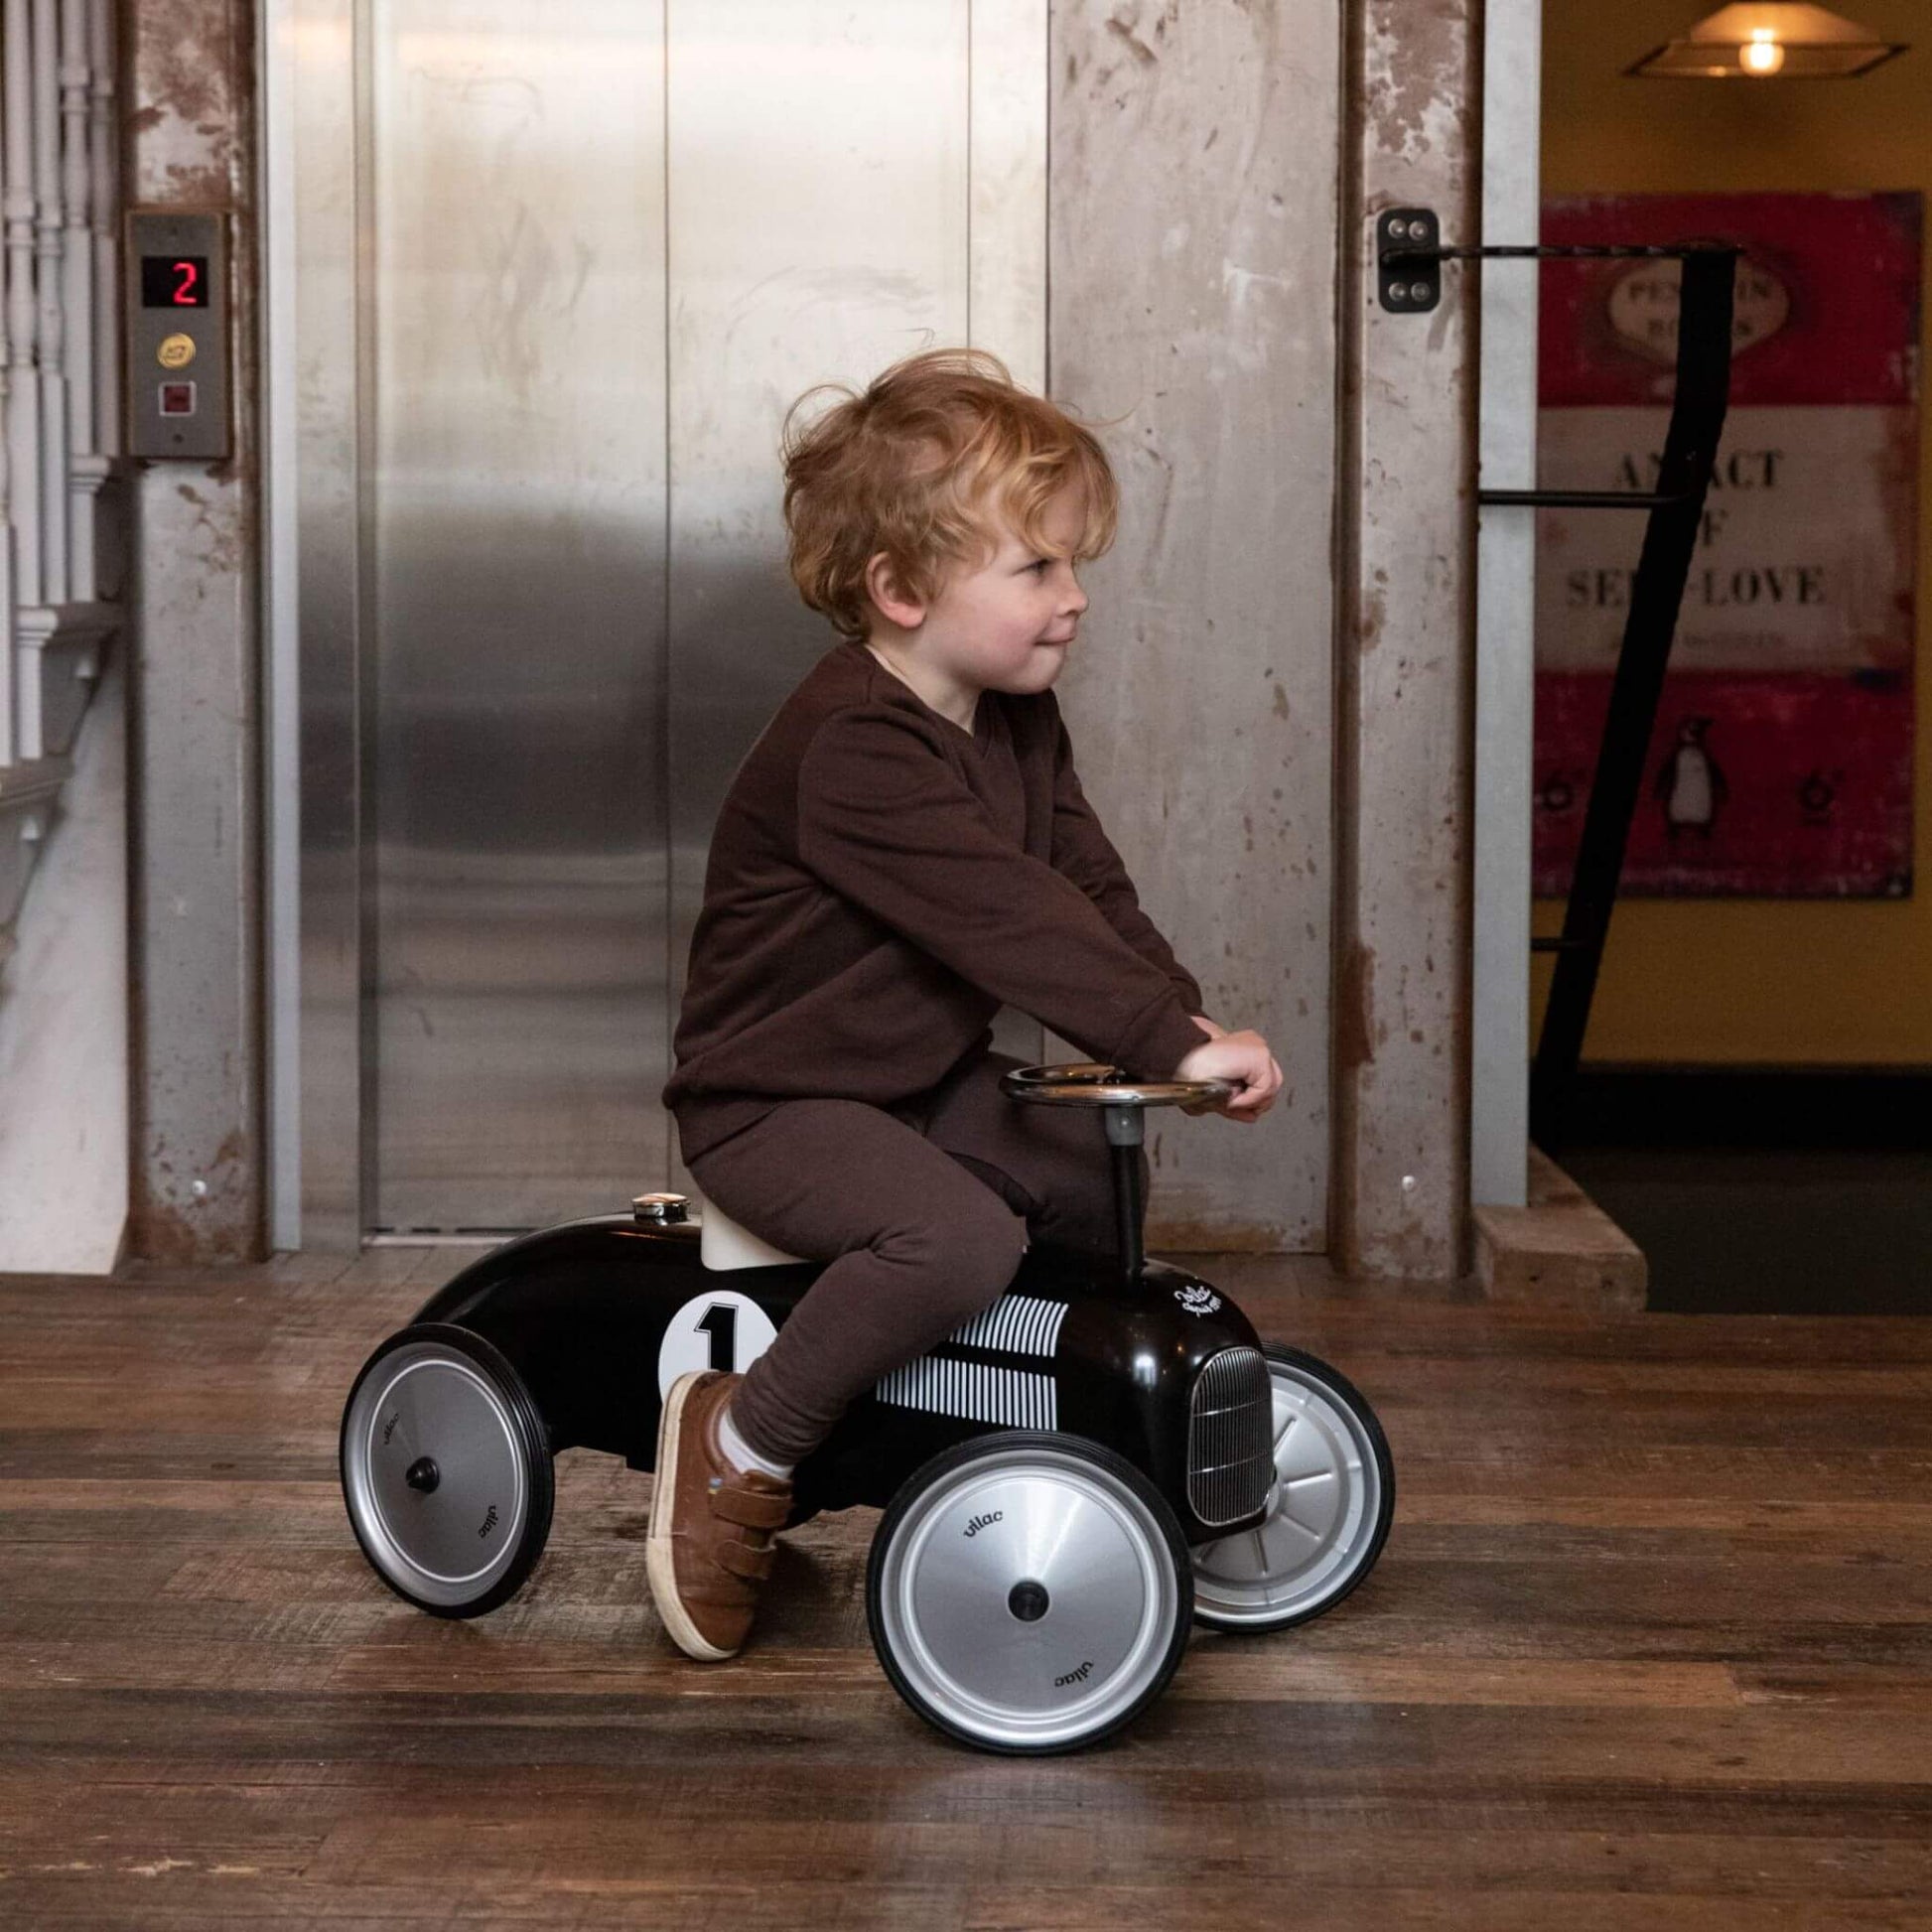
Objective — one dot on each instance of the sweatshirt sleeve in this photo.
(886, 823)
(1085, 854)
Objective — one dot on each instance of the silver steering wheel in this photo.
(1123, 1103)
(1093, 1083)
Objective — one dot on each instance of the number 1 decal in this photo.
(719, 1323)
(722, 1329)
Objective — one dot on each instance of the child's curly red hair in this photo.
(922, 465)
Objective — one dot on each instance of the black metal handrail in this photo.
(1576, 500)
(1675, 509)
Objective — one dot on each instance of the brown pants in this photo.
(924, 1213)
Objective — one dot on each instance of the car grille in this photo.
(1231, 1438)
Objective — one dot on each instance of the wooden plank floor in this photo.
(1650, 1647)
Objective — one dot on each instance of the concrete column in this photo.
(196, 1168)
(1192, 313)
(1404, 658)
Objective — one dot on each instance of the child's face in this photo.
(1007, 625)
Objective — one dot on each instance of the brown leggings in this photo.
(922, 1212)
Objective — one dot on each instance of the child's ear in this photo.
(889, 596)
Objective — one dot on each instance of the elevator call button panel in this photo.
(177, 284)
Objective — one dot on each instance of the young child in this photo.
(904, 847)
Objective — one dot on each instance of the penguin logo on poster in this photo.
(1691, 782)
(1818, 795)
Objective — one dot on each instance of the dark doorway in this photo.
(1764, 1192)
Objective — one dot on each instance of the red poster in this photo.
(1782, 760)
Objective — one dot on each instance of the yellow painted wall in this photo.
(1770, 981)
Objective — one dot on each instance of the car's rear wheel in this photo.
(446, 1470)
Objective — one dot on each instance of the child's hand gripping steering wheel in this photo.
(1093, 1083)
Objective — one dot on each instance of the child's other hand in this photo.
(1242, 1056)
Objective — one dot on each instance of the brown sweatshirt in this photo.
(882, 881)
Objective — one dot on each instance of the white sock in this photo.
(743, 1456)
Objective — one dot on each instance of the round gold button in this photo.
(176, 353)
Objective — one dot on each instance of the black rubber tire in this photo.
(1003, 1441)
(532, 1445)
(1351, 1398)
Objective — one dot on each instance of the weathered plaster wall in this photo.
(194, 810)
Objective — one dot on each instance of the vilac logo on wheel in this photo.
(1197, 1299)
(980, 1522)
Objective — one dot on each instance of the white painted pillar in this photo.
(78, 290)
(1499, 1095)
(6, 516)
(23, 383)
(57, 146)
(49, 249)
(106, 215)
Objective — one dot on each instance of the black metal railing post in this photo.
(1409, 262)
(1656, 595)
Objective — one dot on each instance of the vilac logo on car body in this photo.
(980, 1522)
(1197, 1299)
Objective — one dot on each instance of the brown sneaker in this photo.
(710, 1524)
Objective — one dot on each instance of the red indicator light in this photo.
(173, 281)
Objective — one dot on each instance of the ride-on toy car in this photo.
(1106, 1450)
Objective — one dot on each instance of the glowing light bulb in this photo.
(1762, 54)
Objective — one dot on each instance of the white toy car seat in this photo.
(721, 1243)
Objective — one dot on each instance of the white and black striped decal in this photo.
(1020, 1325)
(1017, 1398)
(977, 1391)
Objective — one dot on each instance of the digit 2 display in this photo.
(173, 281)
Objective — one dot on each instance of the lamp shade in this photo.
(1760, 39)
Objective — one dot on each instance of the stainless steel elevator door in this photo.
(604, 245)
(514, 518)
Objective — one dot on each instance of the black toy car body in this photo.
(1106, 1450)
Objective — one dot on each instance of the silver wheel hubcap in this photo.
(1321, 1513)
(433, 1471)
(1029, 1597)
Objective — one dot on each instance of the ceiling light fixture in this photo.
(1763, 38)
